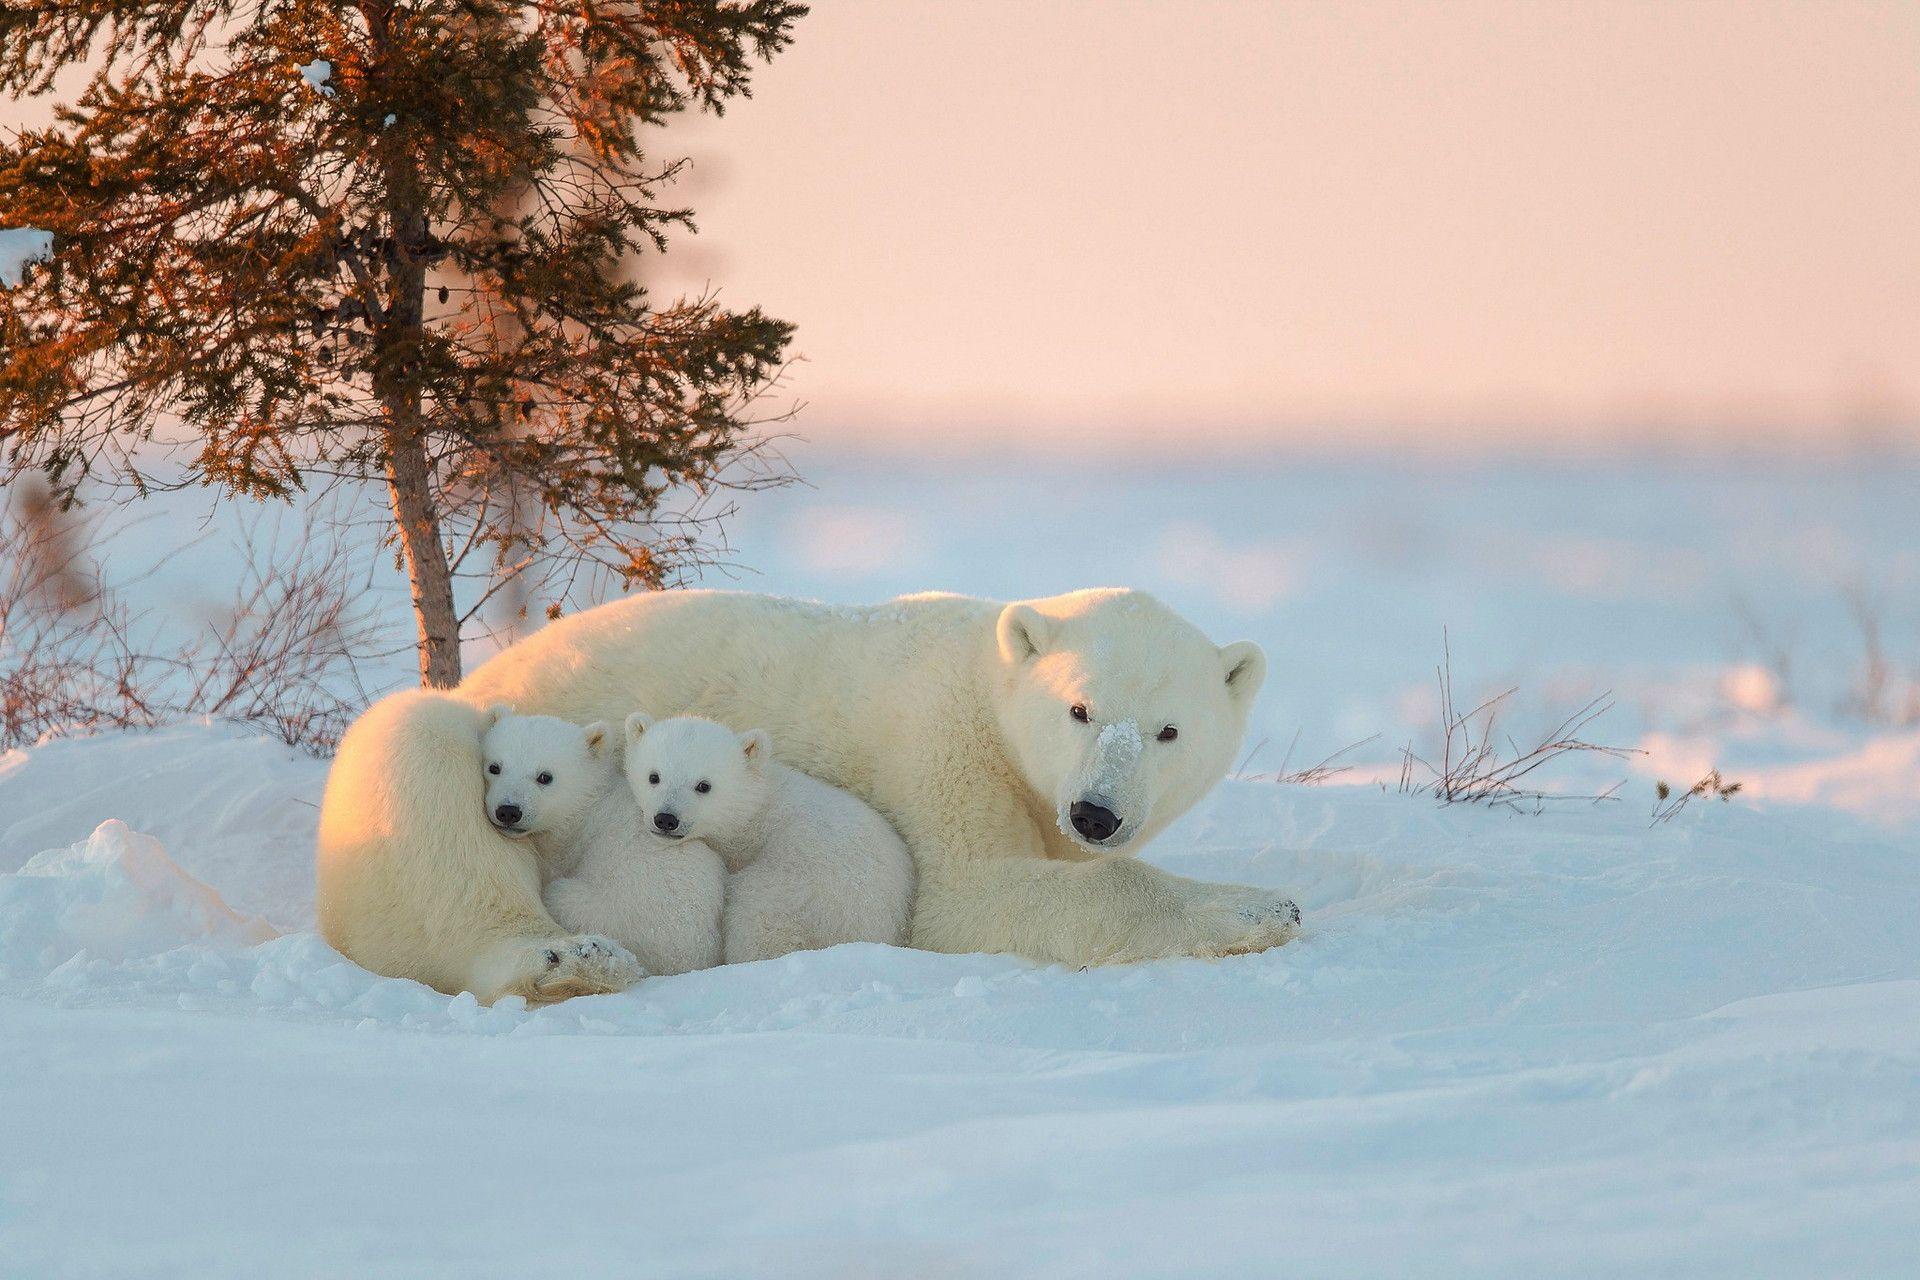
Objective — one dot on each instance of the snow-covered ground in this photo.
(1570, 1043)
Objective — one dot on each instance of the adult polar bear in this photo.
(1014, 747)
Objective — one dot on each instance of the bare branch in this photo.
(1473, 768)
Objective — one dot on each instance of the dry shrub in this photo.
(1667, 803)
(1313, 775)
(1878, 693)
(1476, 764)
(75, 658)
(1879, 689)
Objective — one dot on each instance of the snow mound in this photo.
(235, 810)
(114, 897)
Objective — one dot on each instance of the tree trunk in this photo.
(427, 569)
(409, 473)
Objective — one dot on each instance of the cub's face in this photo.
(541, 772)
(1119, 711)
(695, 778)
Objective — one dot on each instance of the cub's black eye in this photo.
(493, 768)
(544, 779)
(1079, 712)
(654, 778)
(703, 787)
(1168, 734)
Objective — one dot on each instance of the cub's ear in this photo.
(757, 746)
(1246, 668)
(1023, 633)
(495, 714)
(637, 723)
(597, 737)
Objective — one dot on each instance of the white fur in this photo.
(659, 899)
(948, 715)
(543, 776)
(414, 882)
(812, 865)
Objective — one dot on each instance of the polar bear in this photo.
(543, 776)
(413, 881)
(1022, 750)
(812, 866)
(636, 881)
(562, 786)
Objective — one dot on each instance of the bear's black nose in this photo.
(1094, 822)
(666, 821)
(507, 815)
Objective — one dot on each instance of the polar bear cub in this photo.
(560, 785)
(543, 777)
(812, 866)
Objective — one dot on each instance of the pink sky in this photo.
(1302, 222)
(1444, 223)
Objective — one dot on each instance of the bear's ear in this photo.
(637, 723)
(1246, 667)
(496, 713)
(757, 746)
(1023, 633)
(597, 737)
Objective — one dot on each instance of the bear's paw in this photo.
(1236, 920)
(585, 966)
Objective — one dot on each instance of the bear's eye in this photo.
(1168, 734)
(654, 778)
(703, 787)
(1079, 712)
(544, 779)
(493, 768)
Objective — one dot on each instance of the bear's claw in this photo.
(589, 965)
(1251, 920)
(1285, 909)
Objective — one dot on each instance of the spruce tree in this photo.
(386, 240)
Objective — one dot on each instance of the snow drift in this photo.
(115, 898)
(1505, 1045)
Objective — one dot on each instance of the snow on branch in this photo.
(317, 73)
(19, 248)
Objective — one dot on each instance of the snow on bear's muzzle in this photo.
(1103, 806)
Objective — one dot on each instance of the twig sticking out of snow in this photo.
(1313, 775)
(1474, 765)
(1878, 693)
(1667, 803)
(1881, 689)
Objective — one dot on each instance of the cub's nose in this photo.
(666, 821)
(1094, 822)
(507, 815)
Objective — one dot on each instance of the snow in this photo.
(20, 246)
(1505, 1045)
(116, 898)
(1122, 737)
(317, 73)
(1570, 1044)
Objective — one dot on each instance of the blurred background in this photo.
(1584, 333)
(1443, 227)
